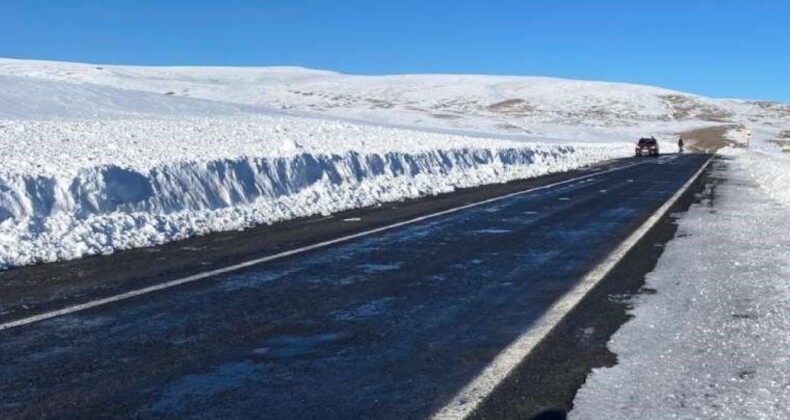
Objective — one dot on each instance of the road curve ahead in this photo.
(391, 325)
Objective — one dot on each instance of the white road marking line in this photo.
(250, 263)
(470, 397)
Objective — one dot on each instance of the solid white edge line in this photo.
(469, 398)
(212, 273)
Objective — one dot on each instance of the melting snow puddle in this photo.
(603, 191)
(530, 212)
(564, 199)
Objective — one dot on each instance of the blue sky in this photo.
(714, 47)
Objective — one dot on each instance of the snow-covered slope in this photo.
(27, 98)
(503, 104)
(99, 158)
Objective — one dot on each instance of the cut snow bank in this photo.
(157, 181)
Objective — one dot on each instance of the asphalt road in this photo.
(386, 326)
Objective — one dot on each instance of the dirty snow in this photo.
(712, 341)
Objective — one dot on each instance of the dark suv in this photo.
(647, 146)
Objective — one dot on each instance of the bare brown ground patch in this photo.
(512, 106)
(380, 103)
(446, 116)
(784, 145)
(683, 107)
(513, 128)
(709, 139)
(783, 141)
(773, 109)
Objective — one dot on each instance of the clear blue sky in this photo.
(714, 47)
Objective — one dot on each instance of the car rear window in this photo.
(647, 141)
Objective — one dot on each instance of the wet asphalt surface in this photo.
(386, 326)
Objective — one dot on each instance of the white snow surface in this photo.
(772, 173)
(99, 158)
(508, 105)
(712, 341)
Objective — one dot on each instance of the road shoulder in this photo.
(546, 381)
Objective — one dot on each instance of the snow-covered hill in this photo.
(495, 104)
(99, 158)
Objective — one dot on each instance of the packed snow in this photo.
(769, 160)
(101, 158)
(712, 341)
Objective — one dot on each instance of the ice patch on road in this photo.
(380, 268)
(493, 231)
(181, 394)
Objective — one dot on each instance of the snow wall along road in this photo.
(98, 210)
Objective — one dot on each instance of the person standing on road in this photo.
(680, 145)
